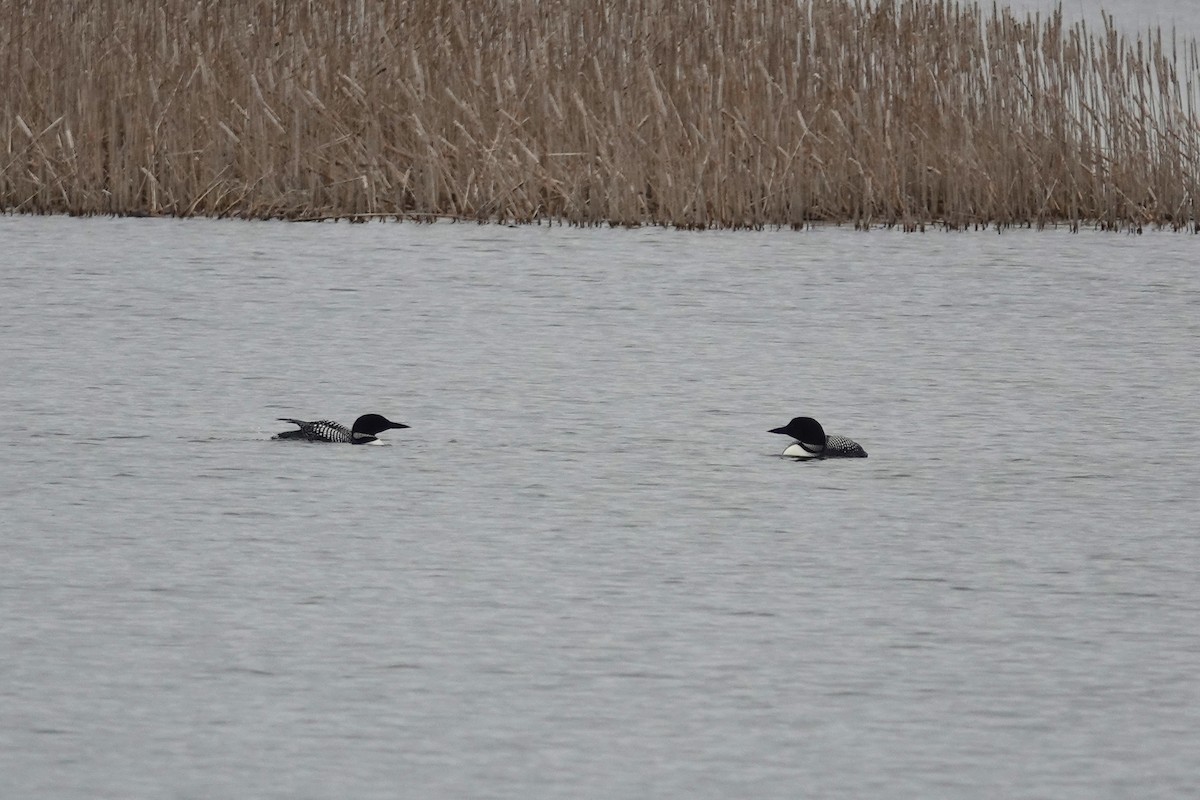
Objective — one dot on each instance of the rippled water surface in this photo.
(1131, 17)
(585, 571)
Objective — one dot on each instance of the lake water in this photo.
(1133, 17)
(585, 571)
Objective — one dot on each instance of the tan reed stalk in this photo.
(718, 113)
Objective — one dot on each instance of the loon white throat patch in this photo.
(797, 450)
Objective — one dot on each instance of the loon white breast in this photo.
(812, 442)
(324, 430)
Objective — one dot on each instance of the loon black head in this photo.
(366, 426)
(807, 431)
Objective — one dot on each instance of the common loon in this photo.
(811, 441)
(323, 430)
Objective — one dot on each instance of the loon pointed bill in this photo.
(811, 441)
(324, 430)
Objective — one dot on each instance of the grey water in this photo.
(1131, 17)
(585, 570)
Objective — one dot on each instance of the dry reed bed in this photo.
(715, 113)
